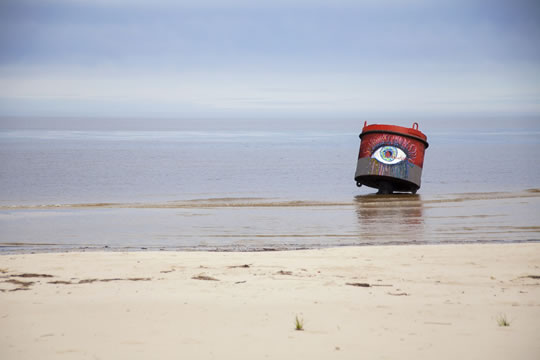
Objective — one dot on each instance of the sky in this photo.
(294, 59)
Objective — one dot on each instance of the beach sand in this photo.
(379, 302)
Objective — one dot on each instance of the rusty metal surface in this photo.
(391, 158)
(404, 176)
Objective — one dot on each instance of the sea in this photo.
(257, 190)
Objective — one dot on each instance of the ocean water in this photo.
(257, 190)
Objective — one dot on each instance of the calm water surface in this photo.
(256, 190)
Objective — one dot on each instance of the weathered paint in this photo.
(414, 149)
(392, 155)
(372, 171)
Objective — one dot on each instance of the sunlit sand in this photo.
(413, 302)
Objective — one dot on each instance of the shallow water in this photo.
(255, 191)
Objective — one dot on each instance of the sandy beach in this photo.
(387, 302)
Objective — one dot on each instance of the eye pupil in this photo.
(389, 155)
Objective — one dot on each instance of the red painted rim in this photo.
(412, 132)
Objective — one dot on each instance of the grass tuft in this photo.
(298, 324)
(502, 320)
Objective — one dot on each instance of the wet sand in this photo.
(240, 224)
(378, 302)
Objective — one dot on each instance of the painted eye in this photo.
(389, 155)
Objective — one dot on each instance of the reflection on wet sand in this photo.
(390, 219)
(240, 224)
(450, 218)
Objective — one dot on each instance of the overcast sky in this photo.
(295, 58)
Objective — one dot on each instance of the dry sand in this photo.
(409, 302)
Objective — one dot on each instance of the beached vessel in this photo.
(391, 158)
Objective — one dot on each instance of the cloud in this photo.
(186, 36)
(204, 93)
(283, 56)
